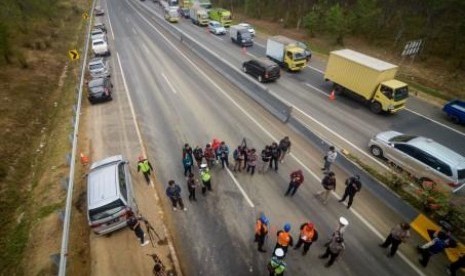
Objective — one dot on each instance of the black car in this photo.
(99, 90)
(263, 69)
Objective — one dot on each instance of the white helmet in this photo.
(343, 221)
(279, 252)
(203, 166)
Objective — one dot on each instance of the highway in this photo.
(178, 98)
(308, 92)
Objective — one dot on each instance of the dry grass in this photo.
(36, 96)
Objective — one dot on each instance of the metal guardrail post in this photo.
(69, 197)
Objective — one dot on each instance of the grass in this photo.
(34, 130)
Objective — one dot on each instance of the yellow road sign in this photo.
(73, 54)
(85, 16)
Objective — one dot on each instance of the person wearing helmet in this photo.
(284, 238)
(276, 266)
(206, 178)
(353, 186)
(144, 165)
(334, 250)
(308, 235)
(261, 231)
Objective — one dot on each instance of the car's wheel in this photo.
(376, 151)
(244, 69)
(454, 119)
(260, 78)
(375, 107)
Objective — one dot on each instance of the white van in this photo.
(110, 195)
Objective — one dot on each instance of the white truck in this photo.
(198, 15)
(286, 53)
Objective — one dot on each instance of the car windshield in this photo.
(98, 42)
(299, 56)
(401, 93)
(96, 66)
(245, 35)
(96, 82)
(106, 210)
(402, 138)
(216, 25)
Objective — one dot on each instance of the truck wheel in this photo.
(376, 151)
(375, 107)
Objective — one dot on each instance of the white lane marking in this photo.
(240, 188)
(217, 37)
(434, 121)
(133, 113)
(317, 89)
(145, 47)
(169, 83)
(144, 152)
(269, 135)
(111, 28)
(316, 69)
(134, 30)
(249, 54)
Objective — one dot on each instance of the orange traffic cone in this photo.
(84, 159)
(332, 97)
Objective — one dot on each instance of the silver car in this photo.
(99, 67)
(216, 28)
(110, 195)
(422, 157)
(97, 33)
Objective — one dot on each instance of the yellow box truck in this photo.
(367, 79)
(286, 53)
(221, 15)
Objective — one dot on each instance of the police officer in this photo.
(353, 186)
(206, 178)
(276, 266)
(334, 249)
(144, 166)
(399, 233)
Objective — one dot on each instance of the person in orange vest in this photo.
(308, 235)
(284, 238)
(261, 231)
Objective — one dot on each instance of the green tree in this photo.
(364, 17)
(336, 23)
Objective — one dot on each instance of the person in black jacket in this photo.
(353, 186)
(275, 154)
(133, 223)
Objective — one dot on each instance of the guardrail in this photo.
(68, 183)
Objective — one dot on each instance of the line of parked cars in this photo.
(99, 87)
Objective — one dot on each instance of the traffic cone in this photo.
(332, 97)
(84, 159)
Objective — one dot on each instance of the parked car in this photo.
(100, 25)
(216, 28)
(99, 90)
(99, 11)
(100, 47)
(99, 67)
(248, 27)
(110, 195)
(422, 157)
(97, 34)
(262, 68)
(455, 111)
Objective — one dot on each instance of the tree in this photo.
(336, 23)
(364, 17)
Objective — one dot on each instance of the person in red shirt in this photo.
(297, 178)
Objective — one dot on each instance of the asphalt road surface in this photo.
(177, 98)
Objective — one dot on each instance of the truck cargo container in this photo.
(367, 79)
(286, 53)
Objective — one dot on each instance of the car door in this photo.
(402, 155)
(255, 69)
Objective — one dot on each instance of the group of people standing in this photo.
(308, 234)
